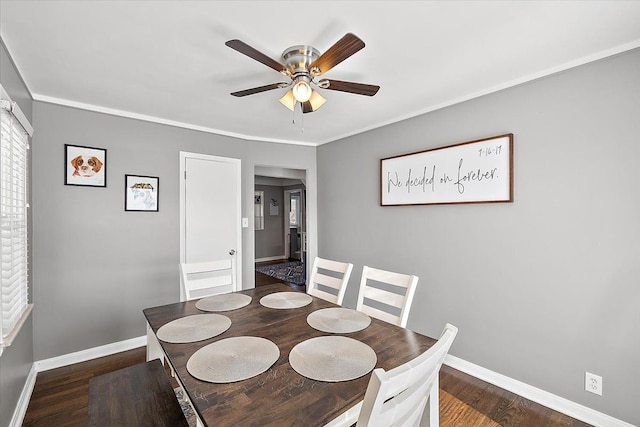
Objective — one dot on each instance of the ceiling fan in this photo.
(303, 64)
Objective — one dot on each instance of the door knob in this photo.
(232, 252)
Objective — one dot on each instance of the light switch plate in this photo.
(245, 222)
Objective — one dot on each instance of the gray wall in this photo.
(97, 267)
(16, 361)
(544, 288)
(270, 241)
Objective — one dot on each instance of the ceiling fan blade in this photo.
(244, 48)
(357, 88)
(341, 50)
(259, 89)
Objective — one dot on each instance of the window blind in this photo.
(13, 220)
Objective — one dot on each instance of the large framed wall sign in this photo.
(478, 171)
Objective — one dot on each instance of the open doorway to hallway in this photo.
(280, 226)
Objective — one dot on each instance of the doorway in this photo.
(280, 224)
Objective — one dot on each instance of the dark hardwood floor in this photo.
(60, 396)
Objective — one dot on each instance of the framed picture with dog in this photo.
(141, 193)
(85, 166)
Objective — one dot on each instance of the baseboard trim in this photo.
(91, 353)
(23, 402)
(550, 400)
(272, 258)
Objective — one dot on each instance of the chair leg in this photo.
(434, 404)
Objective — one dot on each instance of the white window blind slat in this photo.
(13, 221)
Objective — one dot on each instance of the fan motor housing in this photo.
(298, 58)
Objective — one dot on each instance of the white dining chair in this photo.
(399, 396)
(386, 295)
(329, 279)
(201, 279)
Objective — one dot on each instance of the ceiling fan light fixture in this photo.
(316, 100)
(302, 89)
(288, 100)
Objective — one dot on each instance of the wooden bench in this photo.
(140, 395)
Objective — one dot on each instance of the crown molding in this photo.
(159, 120)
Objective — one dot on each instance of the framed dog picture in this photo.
(85, 166)
(141, 193)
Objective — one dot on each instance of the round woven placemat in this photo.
(233, 359)
(284, 300)
(193, 328)
(332, 358)
(338, 320)
(223, 302)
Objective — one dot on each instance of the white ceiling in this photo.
(166, 60)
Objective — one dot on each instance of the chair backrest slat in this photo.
(328, 281)
(396, 279)
(201, 267)
(338, 266)
(386, 297)
(209, 282)
(379, 314)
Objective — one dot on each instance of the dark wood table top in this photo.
(280, 396)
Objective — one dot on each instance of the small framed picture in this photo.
(141, 193)
(86, 166)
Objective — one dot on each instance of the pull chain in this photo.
(293, 120)
(293, 114)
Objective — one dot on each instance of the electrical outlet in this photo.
(593, 383)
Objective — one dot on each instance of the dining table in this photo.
(280, 395)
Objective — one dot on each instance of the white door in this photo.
(210, 209)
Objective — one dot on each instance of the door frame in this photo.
(182, 170)
(303, 230)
